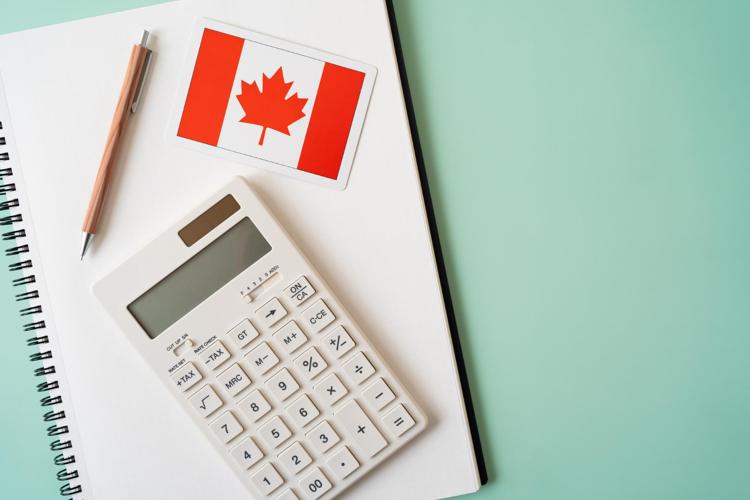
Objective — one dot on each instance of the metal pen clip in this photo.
(144, 73)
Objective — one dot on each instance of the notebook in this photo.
(61, 83)
(41, 450)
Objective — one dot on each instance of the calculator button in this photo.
(359, 368)
(282, 385)
(242, 334)
(234, 379)
(290, 337)
(299, 291)
(186, 377)
(214, 355)
(247, 453)
(378, 394)
(267, 480)
(206, 401)
(262, 358)
(295, 458)
(343, 463)
(323, 437)
(254, 406)
(270, 313)
(287, 495)
(361, 430)
(315, 484)
(398, 420)
(330, 389)
(318, 316)
(338, 342)
(275, 432)
(311, 363)
(226, 427)
(302, 411)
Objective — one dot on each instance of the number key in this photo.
(295, 458)
(275, 432)
(267, 480)
(315, 484)
(282, 385)
(302, 411)
(247, 453)
(323, 437)
(254, 406)
(226, 427)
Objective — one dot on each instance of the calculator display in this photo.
(203, 274)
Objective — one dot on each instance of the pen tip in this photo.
(85, 242)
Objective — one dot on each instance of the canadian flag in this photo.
(268, 103)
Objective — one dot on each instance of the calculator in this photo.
(259, 351)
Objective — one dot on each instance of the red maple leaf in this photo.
(270, 108)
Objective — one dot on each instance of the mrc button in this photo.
(318, 316)
(299, 291)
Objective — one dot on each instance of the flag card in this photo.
(269, 103)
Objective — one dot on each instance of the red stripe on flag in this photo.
(330, 121)
(210, 87)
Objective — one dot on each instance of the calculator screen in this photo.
(194, 281)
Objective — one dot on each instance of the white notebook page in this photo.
(371, 242)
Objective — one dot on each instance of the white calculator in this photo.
(259, 352)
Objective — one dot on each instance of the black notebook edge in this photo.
(439, 261)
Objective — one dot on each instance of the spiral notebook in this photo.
(34, 340)
(61, 84)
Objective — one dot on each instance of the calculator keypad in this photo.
(301, 407)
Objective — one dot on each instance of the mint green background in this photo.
(590, 168)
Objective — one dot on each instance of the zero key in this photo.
(361, 429)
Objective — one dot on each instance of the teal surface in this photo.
(589, 163)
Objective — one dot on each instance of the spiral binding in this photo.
(20, 248)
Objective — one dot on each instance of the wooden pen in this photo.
(127, 104)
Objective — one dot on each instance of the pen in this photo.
(127, 104)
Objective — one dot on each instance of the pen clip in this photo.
(141, 83)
